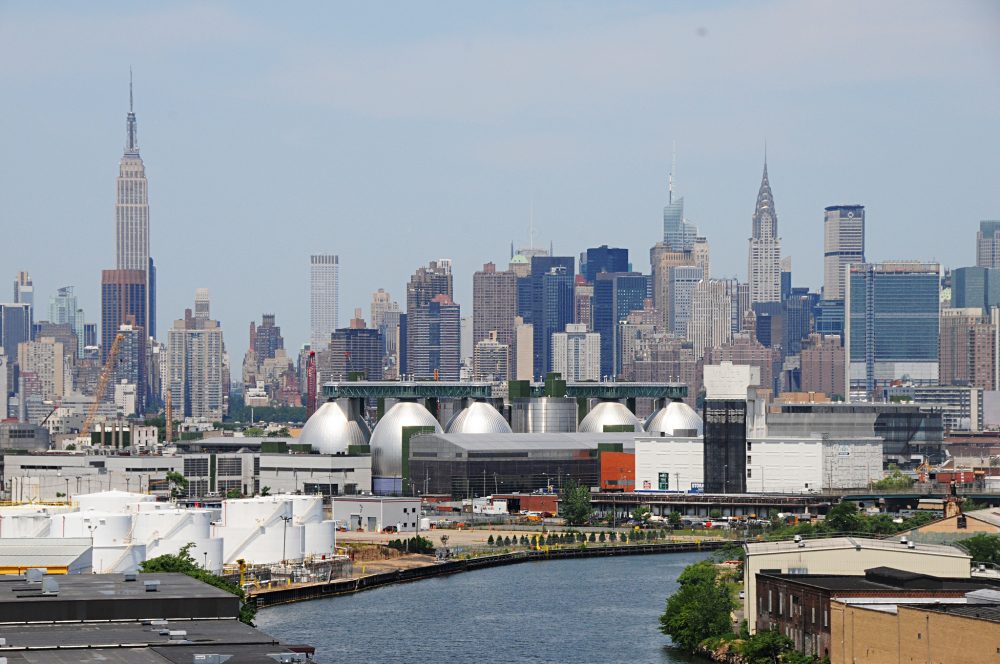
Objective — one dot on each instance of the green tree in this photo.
(844, 517)
(265, 491)
(642, 514)
(592, 538)
(574, 503)
(715, 514)
(178, 483)
(602, 538)
(700, 609)
(234, 493)
(489, 540)
(983, 548)
(765, 647)
(895, 479)
(614, 536)
(674, 519)
(184, 563)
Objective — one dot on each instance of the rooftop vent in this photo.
(902, 540)
(130, 576)
(177, 634)
(210, 659)
(802, 544)
(35, 574)
(911, 545)
(288, 657)
(151, 586)
(797, 538)
(50, 586)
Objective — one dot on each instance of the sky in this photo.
(395, 133)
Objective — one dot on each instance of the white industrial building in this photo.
(774, 465)
(797, 465)
(669, 463)
(376, 513)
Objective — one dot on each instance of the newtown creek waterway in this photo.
(583, 610)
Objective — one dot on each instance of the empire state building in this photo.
(132, 220)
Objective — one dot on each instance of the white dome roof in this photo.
(676, 419)
(329, 430)
(479, 417)
(387, 437)
(609, 413)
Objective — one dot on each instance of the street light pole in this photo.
(284, 537)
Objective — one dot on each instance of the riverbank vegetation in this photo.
(699, 619)
(184, 563)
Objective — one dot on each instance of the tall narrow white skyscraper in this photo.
(324, 287)
(764, 261)
(132, 214)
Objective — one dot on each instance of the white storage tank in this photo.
(172, 524)
(111, 501)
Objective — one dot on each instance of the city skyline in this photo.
(519, 160)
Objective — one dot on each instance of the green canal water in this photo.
(587, 610)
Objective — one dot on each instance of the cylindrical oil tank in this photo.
(172, 524)
(105, 528)
(306, 509)
(250, 512)
(320, 538)
(111, 501)
(544, 415)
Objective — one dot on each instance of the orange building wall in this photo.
(617, 471)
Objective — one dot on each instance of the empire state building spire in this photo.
(764, 260)
(132, 139)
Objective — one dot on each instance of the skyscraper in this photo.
(603, 259)
(425, 284)
(267, 338)
(843, 244)
(195, 365)
(551, 305)
(435, 331)
(130, 365)
(324, 288)
(355, 349)
(123, 302)
(713, 302)
(491, 360)
(64, 310)
(576, 354)
(764, 261)
(975, 287)
(24, 292)
(663, 260)
(683, 280)
(891, 324)
(967, 354)
(132, 222)
(988, 244)
(678, 232)
(494, 305)
(616, 295)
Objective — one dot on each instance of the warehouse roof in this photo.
(112, 597)
(859, 543)
(42, 551)
(139, 641)
(880, 579)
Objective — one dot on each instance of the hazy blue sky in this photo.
(396, 133)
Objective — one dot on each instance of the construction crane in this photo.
(102, 385)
